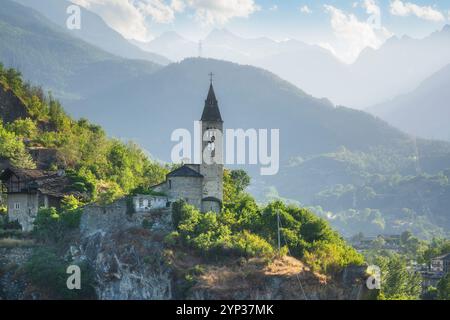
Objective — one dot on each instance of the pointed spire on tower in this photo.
(211, 111)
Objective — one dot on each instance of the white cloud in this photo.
(130, 17)
(213, 12)
(273, 8)
(305, 9)
(121, 15)
(354, 35)
(404, 9)
(371, 7)
(159, 11)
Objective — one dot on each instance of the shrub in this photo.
(251, 245)
(47, 271)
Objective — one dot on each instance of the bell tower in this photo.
(212, 153)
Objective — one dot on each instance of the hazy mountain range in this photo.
(328, 154)
(93, 30)
(375, 78)
(424, 111)
(377, 75)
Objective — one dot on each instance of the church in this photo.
(201, 185)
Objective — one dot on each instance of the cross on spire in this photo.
(211, 75)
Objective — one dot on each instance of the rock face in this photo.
(284, 279)
(128, 259)
(128, 265)
(13, 285)
(11, 107)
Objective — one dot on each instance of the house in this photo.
(147, 203)
(201, 185)
(441, 263)
(28, 190)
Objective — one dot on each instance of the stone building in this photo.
(441, 263)
(30, 190)
(201, 185)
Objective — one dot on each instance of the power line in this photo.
(289, 251)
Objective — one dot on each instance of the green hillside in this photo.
(47, 55)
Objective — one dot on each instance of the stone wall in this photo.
(186, 188)
(147, 203)
(121, 215)
(27, 211)
(212, 181)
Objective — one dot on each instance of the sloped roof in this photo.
(26, 174)
(50, 183)
(185, 171)
(211, 110)
(443, 257)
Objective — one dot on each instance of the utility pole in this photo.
(278, 227)
(200, 49)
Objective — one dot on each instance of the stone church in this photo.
(201, 185)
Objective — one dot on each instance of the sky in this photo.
(343, 27)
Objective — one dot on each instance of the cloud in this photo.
(371, 7)
(213, 12)
(305, 9)
(121, 15)
(159, 11)
(131, 17)
(354, 35)
(405, 9)
(273, 8)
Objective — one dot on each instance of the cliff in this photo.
(11, 107)
(130, 261)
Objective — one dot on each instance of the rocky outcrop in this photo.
(284, 278)
(13, 284)
(130, 260)
(126, 251)
(11, 107)
(128, 265)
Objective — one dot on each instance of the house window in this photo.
(17, 206)
(141, 203)
(170, 184)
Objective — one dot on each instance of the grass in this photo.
(15, 243)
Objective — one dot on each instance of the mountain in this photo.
(48, 55)
(171, 43)
(397, 67)
(93, 30)
(325, 151)
(423, 112)
(261, 99)
(336, 159)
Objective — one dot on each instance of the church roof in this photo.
(184, 171)
(211, 111)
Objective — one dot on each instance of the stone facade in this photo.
(147, 203)
(121, 215)
(23, 207)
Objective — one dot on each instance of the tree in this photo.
(443, 287)
(13, 148)
(397, 282)
(240, 179)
